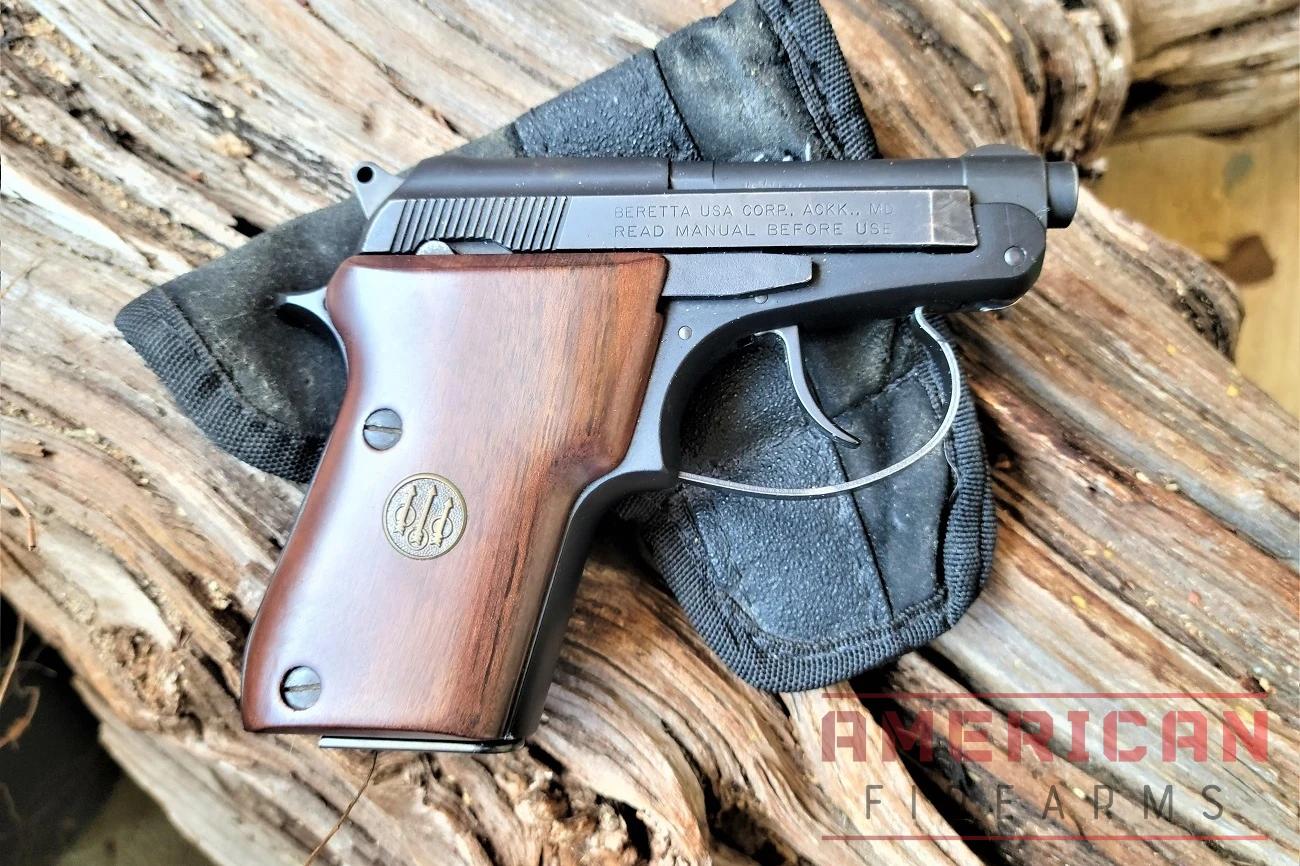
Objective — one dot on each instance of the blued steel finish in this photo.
(749, 247)
(532, 205)
(758, 219)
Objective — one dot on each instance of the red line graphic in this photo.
(1044, 695)
(923, 837)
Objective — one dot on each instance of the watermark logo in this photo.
(1053, 766)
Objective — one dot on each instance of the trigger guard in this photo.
(932, 337)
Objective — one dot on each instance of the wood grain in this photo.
(520, 380)
(1135, 469)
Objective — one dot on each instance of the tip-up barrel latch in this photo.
(733, 275)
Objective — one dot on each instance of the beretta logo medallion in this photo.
(424, 516)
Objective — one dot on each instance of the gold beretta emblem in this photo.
(424, 516)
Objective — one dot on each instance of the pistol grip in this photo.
(412, 586)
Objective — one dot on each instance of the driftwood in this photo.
(1147, 494)
(1212, 67)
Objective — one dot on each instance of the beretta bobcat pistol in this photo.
(521, 336)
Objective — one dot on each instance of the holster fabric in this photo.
(790, 594)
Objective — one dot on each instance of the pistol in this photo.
(521, 337)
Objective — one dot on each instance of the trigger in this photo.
(799, 378)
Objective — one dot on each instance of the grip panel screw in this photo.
(382, 429)
(300, 688)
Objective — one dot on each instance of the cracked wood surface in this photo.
(1147, 494)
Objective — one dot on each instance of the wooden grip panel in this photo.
(412, 583)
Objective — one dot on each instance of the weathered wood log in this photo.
(1223, 81)
(1147, 495)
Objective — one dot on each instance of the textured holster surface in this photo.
(791, 595)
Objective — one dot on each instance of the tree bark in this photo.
(1147, 494)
